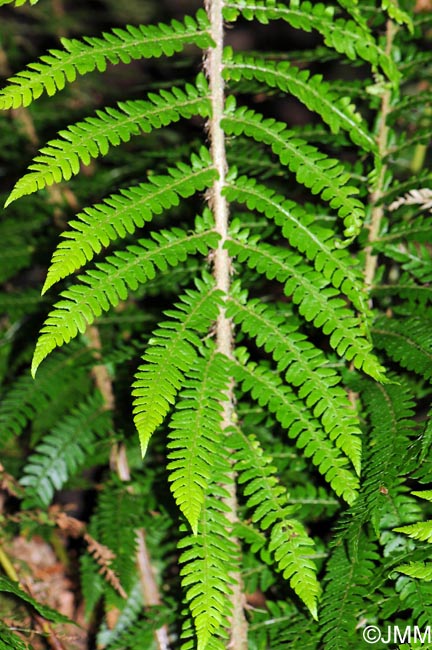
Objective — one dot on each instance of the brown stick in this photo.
(222, 273)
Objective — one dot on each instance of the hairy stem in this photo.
(377, 213)
(222, 274)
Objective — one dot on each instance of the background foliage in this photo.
(315, 499)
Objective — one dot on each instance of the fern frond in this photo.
(407, 341)
(344, 36)
(196, 433)
(312, 91)
(128, 616)
(413, 257)
(314, 169)
(267, 389)
(418, 230)
(390, 412)
(28, 398)
(208, 561)
(418, 570)
(120, 214)
(18, 3)
(317, 303)
(62, 451)
(300, 228)
(60, 159)
(171, 353)
(304, 366)
(111, 282)
(417, 295)
(117, 519)
(58, 67)
(268, 500)
(397, 14)
(346, 586)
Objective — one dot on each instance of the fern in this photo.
(269, 391)
(317, 303)
(121, 45)
(109, 283)
(62, 452)
(276, 505)
(192, 439)
(172, 352)
(313, 92)
(84, 141)
(319, 173)
(304, 367)
(288, 540)
(121, 214)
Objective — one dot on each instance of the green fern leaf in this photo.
(63, 451)
(11, 587)
(418, 570)
(390, 411)
(171, 353)
(28, 398)
(344, 36)
(120, 214)
(194, 438)
(267, 389)
(407, 341)
(304, 366)
(317, 303)
(267, 498)
(111, 282)
(115, 523)
(346, 587)
(18, 3)
(209, 560)
(301, 230)
(60, 159)
(314, 169)
(126, 621)
(313, 92)
(397, 14)
(57, 67)
(421, 531)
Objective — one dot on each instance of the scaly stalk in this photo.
(377, 213)
(222, 273)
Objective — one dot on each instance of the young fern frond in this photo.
(59, 67)
(120, 214)
(268, 500)
(304, 367)
(112, 281)
(172, 352)
(196, 433)
(268, 389)
(313, 92)
(314, 169)
(317, 302)
(60, 159)
(63, 451)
